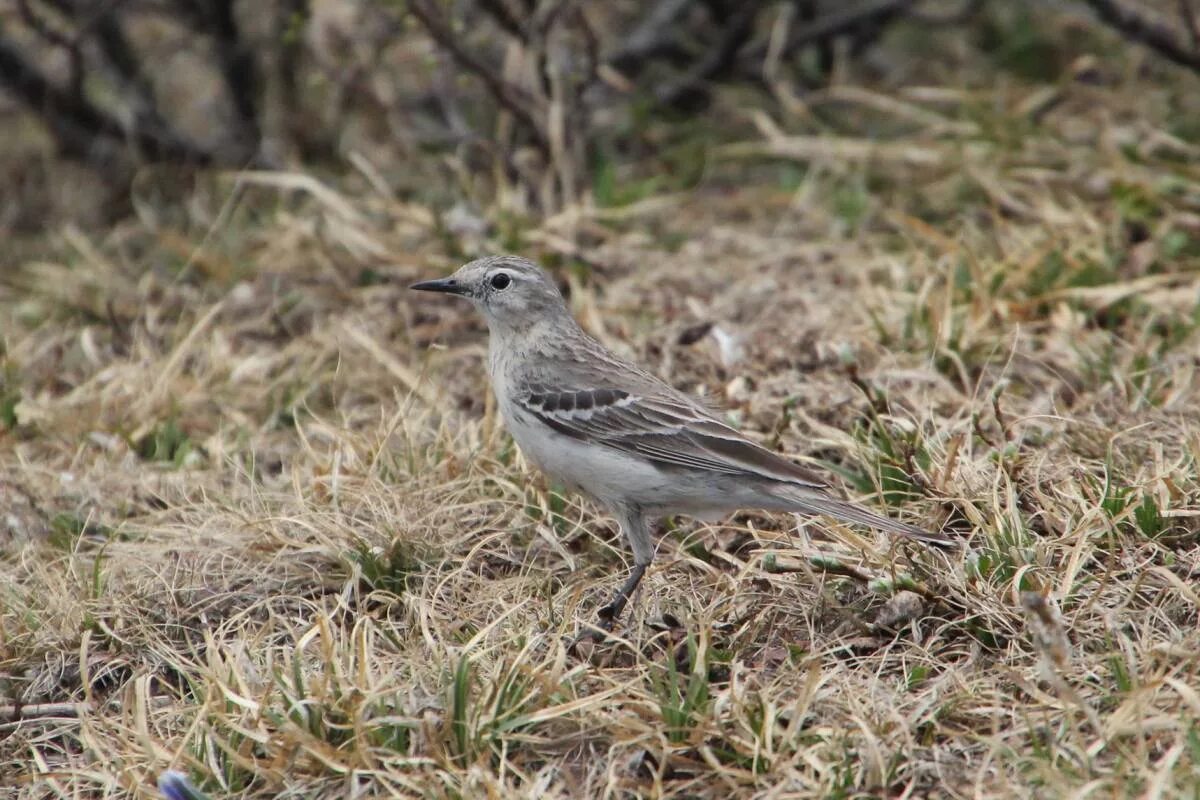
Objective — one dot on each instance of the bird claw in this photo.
(609, 613)
(594, 633)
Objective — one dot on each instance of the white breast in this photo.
(606, 474)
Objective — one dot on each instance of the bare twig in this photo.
(719, 59)
(121, 56)
(502, 14)
(1152, 33)
(66, 42)
(237, 65)
(98, 23)
(239, 70)
(19, 714)
(957, 16)
(1189, 20)
(82, 130)
(806, 13)
(655, 36)
(312, 142)
(829, 26)
(591, 42)
(507, 95)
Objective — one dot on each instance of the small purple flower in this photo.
(175, 786)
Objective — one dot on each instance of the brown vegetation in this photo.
(259, 522)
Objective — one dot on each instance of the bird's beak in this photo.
(447, 285)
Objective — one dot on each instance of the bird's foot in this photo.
(608, 614)
(596, 632)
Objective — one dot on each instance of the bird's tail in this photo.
(809, 501)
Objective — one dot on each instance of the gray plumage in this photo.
(611, 430)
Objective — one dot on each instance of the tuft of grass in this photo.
(394, 569)
(1017, 40)
(1129, 509)
(683, 696)
(10, 396)
(166, 442)
(488, 719)
(894, 453)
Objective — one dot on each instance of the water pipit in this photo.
(609, 429)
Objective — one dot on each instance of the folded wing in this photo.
(671, 432)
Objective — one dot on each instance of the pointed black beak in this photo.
(448, 285)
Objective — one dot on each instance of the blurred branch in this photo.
(958, 16)
(507, 95)
(541, 67)
(836, 24)
(1152, 33)
(235, 61)
(591, 42)
(1189, 20)
(503, 16)
(690, 87)
(120, 54)
(654, 36)
(291, 13)
(82, 130)
(312, 142)
(239, 70)
(97, 22)
(69, 44)
(807, 12)
(72, 120)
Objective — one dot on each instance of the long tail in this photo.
(810, 501)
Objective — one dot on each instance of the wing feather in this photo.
(669, 432)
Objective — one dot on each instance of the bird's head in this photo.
(511, 292)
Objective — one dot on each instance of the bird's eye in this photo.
(501, 280)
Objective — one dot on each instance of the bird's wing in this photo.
(659, 424)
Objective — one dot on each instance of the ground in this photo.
(261, 522)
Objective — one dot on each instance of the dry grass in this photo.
(260, 522)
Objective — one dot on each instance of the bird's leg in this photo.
(609, 613)
(636, 528)
(615, 606)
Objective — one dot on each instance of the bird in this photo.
(607, 428)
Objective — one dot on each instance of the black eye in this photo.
(501, 280)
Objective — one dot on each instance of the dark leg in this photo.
(637, 531)
(608, 614)
(615, 606)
